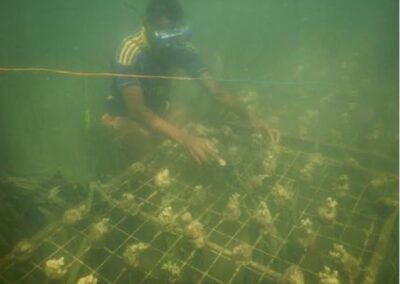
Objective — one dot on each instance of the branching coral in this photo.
(292, 275)
(282, 195)
(232, 209)
(264, 218)
(23, 250)
(270, 161)
(90, 279)
(54, 268)
(328, 211)
(100, 230)
(307, 173)
(167, 217)
(328, 276)
(128, 203)
(173, 270)
(194, 230)
(163, 178)
(132, 254)
(341, 186)
(306, 234)
(348, 263)
(242, 253)
(73, 216)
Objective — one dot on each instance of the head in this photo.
(164, 23)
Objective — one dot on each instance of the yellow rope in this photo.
(91, 74)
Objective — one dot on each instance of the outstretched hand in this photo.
(200, 149)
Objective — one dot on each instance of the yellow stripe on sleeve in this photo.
(132, 54)
(130, 47)
(127, 48)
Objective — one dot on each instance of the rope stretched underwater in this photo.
(90, 74)
(110, 74)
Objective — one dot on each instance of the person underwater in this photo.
(138, 114)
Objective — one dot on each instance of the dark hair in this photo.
(170, 9)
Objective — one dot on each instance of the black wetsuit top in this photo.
(134, 56)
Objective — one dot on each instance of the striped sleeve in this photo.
(129, 48)
(125, 61)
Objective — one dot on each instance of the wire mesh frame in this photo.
(205, 274)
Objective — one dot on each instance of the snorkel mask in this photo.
(171, 38)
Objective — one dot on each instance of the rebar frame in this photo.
(356, 228)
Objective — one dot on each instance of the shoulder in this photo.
(130, 48)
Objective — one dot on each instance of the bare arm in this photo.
(199, 149)
(137, 110)
(226, 99)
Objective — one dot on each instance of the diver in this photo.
(138, 115)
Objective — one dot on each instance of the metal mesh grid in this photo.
(355, 227)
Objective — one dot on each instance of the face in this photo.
(164, 24)
(164, 35)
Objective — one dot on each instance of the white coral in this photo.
(136, 168)
(341, 186)
(132, 253)
(53, 194)
(23, 250)
(194, 230)
(378, 182)
(54, 268)
(163, 178)
(270, 162)
(167, 217)
(174, 272)
(328, 276)
(100, 229)
(257, 138)
(263, 217)
(232, 209)
(128, 203)
(307, 234)
(293, 275)
(348, 263)
(186, 217)
(257, 181)
(307, 172)
(282, 194)
(90, 279)
(328, 211)
(199, 195)
(314, 161)
(242, 253)
(73, 216)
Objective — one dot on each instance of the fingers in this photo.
(212, 151)
(198, 155)
(202, 151)
(195, 157)
(214, 156)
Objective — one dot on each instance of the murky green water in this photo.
(324, 73)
